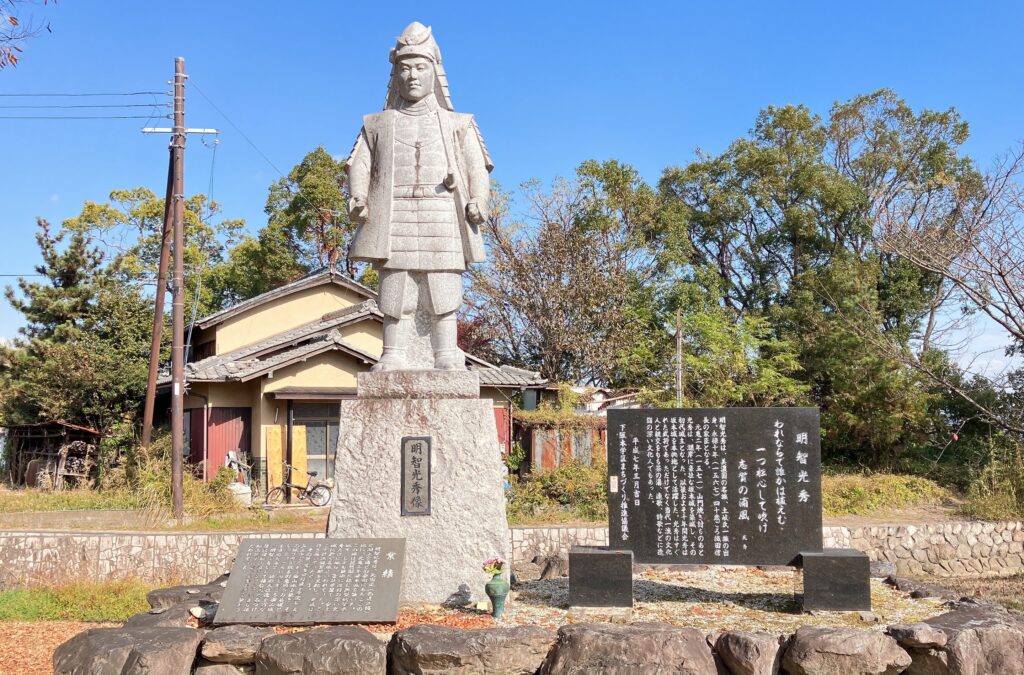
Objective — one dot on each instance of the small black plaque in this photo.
(732, 486)
(416, 475)
(600, 577)
(836, 579)
(306, 581)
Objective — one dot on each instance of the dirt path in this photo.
(28, 645)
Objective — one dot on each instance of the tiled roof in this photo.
(507, 376)
(310, 280)
(299, 334)
(302, 342)
(236, 367)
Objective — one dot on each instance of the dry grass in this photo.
(1006, 591)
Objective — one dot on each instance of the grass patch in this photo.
(108, 601)
(69, 500)
(866, 494)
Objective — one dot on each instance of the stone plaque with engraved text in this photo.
(308, 581)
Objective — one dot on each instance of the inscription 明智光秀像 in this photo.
(733, 486)
(304, 581)
(416, 475)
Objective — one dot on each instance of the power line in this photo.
(235, 127)
(92, 105)
(78, 117)
(253, 145)
(128, 93)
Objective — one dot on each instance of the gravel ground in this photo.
(740, 598)
(26, 647)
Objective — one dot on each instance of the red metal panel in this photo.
(549, 445)
(229, 429)
(197, 435)
(501, 420)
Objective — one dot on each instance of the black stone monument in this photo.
(600, 577)
(836, 579)
(728, 486)
(309, 581)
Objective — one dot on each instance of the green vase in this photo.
(497, 591)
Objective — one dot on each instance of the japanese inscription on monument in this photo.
(736, 486)
(303, 581)
(416, 475)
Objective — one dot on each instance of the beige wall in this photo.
(282, 314)
(367, 335)
(498, 396)
(331, 369)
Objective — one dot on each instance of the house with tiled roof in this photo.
(265, 377)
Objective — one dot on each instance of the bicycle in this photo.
(316, 492)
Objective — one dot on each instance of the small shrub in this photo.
(863, 494)
(998, 491)
(515, 456)
(572, 492)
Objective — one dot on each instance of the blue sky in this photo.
(551, 83)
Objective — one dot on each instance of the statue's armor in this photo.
(424, 224)
(418, 183)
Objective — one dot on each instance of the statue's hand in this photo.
(473, 214)
(357, 210)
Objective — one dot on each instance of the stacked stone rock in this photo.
(970, 639)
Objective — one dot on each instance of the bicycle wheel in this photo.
(276, 497)
(320, 495)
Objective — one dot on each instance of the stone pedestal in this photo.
(467, 523)
(600, 577)
(836, 579)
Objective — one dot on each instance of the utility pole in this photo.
(173, 241)
(679, 358)
(158, 311)
(177, 294)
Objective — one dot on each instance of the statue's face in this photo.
(415, 78)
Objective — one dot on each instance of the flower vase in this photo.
(497, 591)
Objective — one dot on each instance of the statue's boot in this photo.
(447, 355)
(393, 356)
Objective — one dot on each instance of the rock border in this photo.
(971, 637)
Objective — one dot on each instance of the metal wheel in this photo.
(276, 497)
(320, 495)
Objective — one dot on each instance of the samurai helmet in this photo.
(417, 40)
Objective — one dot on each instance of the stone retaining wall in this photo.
(940, 549)
(184, 557)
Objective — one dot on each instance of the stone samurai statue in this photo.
(419, 185)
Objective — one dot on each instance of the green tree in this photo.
(83, 354)
(307, 210)
(786, 225)
(128, 230)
